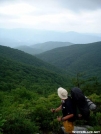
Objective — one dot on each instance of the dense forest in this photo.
(22, 57)
(28, 90)
(76, 58)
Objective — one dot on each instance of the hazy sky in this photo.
(57, 15)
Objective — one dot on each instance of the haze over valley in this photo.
(30, 37)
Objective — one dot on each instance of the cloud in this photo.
(77, 5)
(74, 5)
(16, 9)
(57, 15)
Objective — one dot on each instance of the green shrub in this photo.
(19, 125)
(2, 121)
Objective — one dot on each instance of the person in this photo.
(67, 110)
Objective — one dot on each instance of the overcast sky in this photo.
(57, 15)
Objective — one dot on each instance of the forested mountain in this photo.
(76, 58)
(14, 75)
(50, 45)
(42, 47)
(25, 58)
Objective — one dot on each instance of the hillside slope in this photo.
(76, 58)
(15, 75)
(25, 58)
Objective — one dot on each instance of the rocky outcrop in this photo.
(79, 129)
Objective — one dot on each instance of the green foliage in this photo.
(24, 58)
(95, 121)
(27, 112)
(18, 125)
(76, 58)
(28, 92)
(97, 100)
(98, 118)
(14, 75)
(2, 121)
(88, 85)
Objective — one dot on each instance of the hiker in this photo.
(67, 110)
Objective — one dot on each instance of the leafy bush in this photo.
(19, 125)
(2, 121)
(27, 111)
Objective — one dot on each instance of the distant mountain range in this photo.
(77, 58)
(29, 49)
(19, 37)
(42, 47)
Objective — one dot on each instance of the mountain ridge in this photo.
(25, 58)
(16, 37)
(75, 58)
(15, 74)
(42, 47)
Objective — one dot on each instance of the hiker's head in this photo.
(62, 93)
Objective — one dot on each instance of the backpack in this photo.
(91, 105)
(80, 102)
